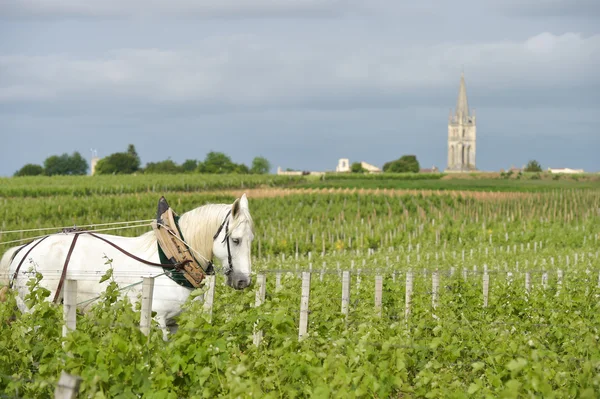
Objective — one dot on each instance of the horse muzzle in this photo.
(239, 282)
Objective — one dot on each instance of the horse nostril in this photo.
(242, 284)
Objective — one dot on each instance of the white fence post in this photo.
(545, 279)
(67, 387)
(261, 280)
(409, 288)
(147, 293)
(559, 279)
(435, 284)
(527, 282)
(486, 288)
(69, 306)
(345, 292)
(378, 294)
(209, 296)
(304, 305)
(278, 282)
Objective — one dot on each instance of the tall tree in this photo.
(77, 164)
(65, 164)
(189, 165)
(216, 162)
(406, 163)
(166, 166)
(131, 151)
(533, 166)
(260, 166)
(119, 163)
(357, 168)
(30, 170)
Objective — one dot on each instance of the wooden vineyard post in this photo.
(278, 282)
(67, 387)
(527, 282)
(261, 281)
(486, 288)
(559, 279)
(378, 294)
(435, 284)
(70, 306)
(146, 315)
(304, 305)
(345, 292)
(209, 296)
(409, 289)
(544, 279)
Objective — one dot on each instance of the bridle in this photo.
(225, 224)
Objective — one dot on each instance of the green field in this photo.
(82, 186)
(537, 342)
(494, 185)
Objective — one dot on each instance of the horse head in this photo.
(232, 244)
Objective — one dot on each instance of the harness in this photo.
(182, 267)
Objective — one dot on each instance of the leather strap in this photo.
(64, 271)
(176, 266)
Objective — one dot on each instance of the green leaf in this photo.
(477, 366)
(473, 388)
(107, 275)
(516, 365)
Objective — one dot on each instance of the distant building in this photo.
(370, 168)
(461, 134)
(93, 161)
(343, 165)
(433, 169)
(297, 172)
(565, 170)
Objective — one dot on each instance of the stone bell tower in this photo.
(461, 134)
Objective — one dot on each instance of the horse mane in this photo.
(199, 225)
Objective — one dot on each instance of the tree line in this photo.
(129, 162)
(404, 164)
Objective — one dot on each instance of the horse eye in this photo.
(236, 241)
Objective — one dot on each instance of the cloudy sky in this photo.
(301, 82)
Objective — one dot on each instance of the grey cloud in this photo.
(252, 71)
(160, 8)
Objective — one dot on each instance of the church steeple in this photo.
(462, 134)
(462, 104)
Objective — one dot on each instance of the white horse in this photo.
(220, 230)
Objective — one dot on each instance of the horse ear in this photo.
(244, 201)
(235, 208)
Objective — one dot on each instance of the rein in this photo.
(176, 266)
(225, 223)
